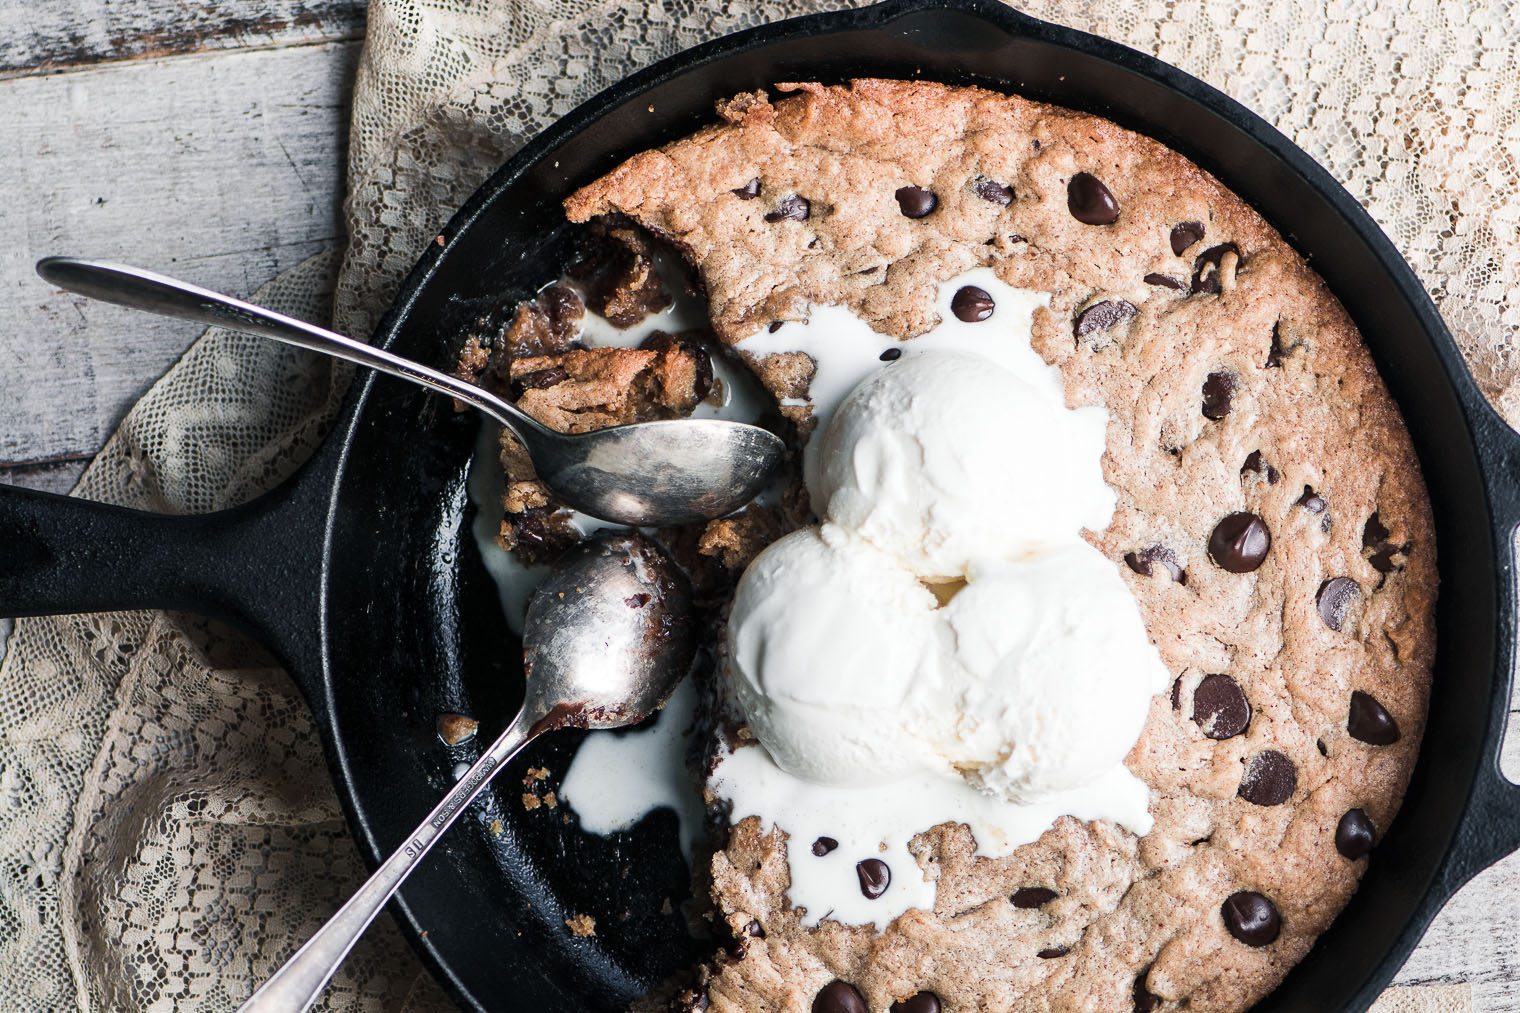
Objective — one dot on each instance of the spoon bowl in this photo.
(693, 469)
(604, 633)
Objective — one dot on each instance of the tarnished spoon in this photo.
(649, 474)
(607, 637)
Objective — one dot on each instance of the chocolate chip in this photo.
(754, 929)
(1353, 834)
(890, 355)
(1089, 201)
(1145, 1001)
(1165, 281)
(1239, 543)
(1185, 234)
(824, 845)
(1143, 561)
(1255, 462)
(1270, 779)
(997, 193)
(749, 191)
(1320, 745)
(918, 1002)
(1218, 393)
(916, 202)
(542, 378)
(839, 997)
(619, 277)
(1334, 599)
(774, 326)
(1375, 537)
(1032, 896)
(637, 601)
(685, 344)
(1054, 951)
(874, 877)
(540, 534)
(1369, 721)
(1382, 560)
(971, 304)
(1210, 265)
(1312, 501)
(1277, 351)
(1102, 316)
(1177, 693)
(1251, 918)
(792, 208)
(1220, 707)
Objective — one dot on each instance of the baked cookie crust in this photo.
(1241, 398)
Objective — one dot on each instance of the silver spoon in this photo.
(607, 637)
(649, 474)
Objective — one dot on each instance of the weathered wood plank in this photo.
(54, 476)
(1476, 938)
(224, 168)
(40, 36)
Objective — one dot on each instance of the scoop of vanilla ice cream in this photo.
(944, 457)
(1052, 675)
(826, 639)
(1034, 680)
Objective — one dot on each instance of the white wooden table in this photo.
(208, 140)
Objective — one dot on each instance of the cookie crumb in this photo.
(456, 728)
(581, 925)
(531, 801)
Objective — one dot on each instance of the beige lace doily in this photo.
(168, 831)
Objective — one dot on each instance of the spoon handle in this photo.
(144, 290)
(296, 985)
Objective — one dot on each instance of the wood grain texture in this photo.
(225, 169)
(43, 36)
(53, 476)
(1476, 939)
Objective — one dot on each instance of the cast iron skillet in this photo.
(360, 573)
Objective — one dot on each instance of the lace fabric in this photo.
(168, 830)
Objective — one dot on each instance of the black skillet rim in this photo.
(1491, 439)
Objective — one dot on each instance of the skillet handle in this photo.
(256, 566)
(1490, 829)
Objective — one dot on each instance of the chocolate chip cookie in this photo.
(1272, 524)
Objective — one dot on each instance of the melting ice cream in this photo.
(944, 646)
